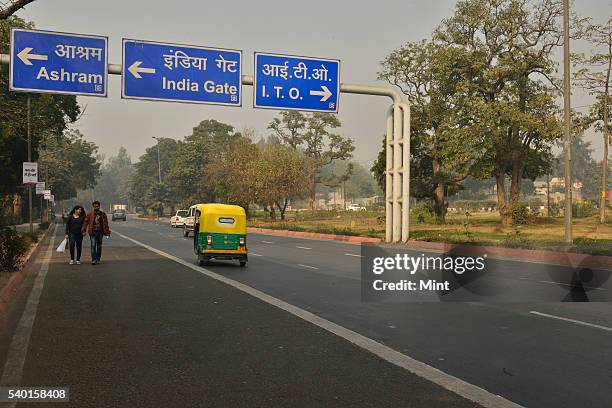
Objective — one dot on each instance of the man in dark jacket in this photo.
(96, 224)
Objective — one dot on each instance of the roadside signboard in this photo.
(296, 83)
(46, 61)
(47, 194)
(181, 73)
(30, 173)
(40, 187)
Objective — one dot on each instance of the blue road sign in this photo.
(181, 73)
(296, 83)
(46, 61)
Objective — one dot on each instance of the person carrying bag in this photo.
(74, 234)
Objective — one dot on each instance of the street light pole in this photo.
(158, 159)
(568, 123)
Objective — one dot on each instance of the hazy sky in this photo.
(359, 33)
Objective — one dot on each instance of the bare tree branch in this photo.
(8, 10)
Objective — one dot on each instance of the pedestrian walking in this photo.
(96, 225)
(74, 233)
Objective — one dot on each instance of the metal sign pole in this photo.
(29, 160)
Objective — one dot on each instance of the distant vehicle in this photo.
(355, 207)
(178, 219)
(119, 215)
(189, 220)
(120, 207)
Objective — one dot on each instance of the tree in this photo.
(232, 171)
(426, 72)
(584, 167)
(507, 68)
(158, 197)
(313, 135)
(144, 185)
(67, 163)
(282, 176)
(113, 184)
(289, 128)
(594, 76)
(187, 174)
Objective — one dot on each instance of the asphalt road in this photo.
(142, 330)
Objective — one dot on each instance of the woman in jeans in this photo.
(74, 224)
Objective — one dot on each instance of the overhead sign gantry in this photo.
(44, 61)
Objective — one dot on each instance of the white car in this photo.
(355, 207)
(178, 220)
(189, 220)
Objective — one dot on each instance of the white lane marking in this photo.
(252, 254)
(355, 255)
(13, 368)
(307, 266)
(454, 384)
(306, 248)
(567, 284)
(267, 242)
(565, 319)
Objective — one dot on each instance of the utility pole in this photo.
(548, 194)
(48, 187)
(568, 124)
(606, 121)
(158, 159)
(30, 159)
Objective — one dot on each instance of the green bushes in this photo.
(520, 215)
(584, 209)
(13, 248)
(423, 213)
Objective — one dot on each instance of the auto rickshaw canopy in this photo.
(221, 218)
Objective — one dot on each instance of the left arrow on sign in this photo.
(325, 93)
(25, 56)
(135, 69)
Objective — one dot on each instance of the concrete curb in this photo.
(569, 259)
(316, 235)
(9, 290)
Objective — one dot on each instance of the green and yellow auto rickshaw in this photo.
(220, 233)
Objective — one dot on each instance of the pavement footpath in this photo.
(140, 330)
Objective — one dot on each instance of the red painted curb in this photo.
(317, 235)
(9, 290)
(570, 259)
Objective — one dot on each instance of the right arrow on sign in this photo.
(325, 93)
(136, 70)
(25, 56)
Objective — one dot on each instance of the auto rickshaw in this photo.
(220, 233)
